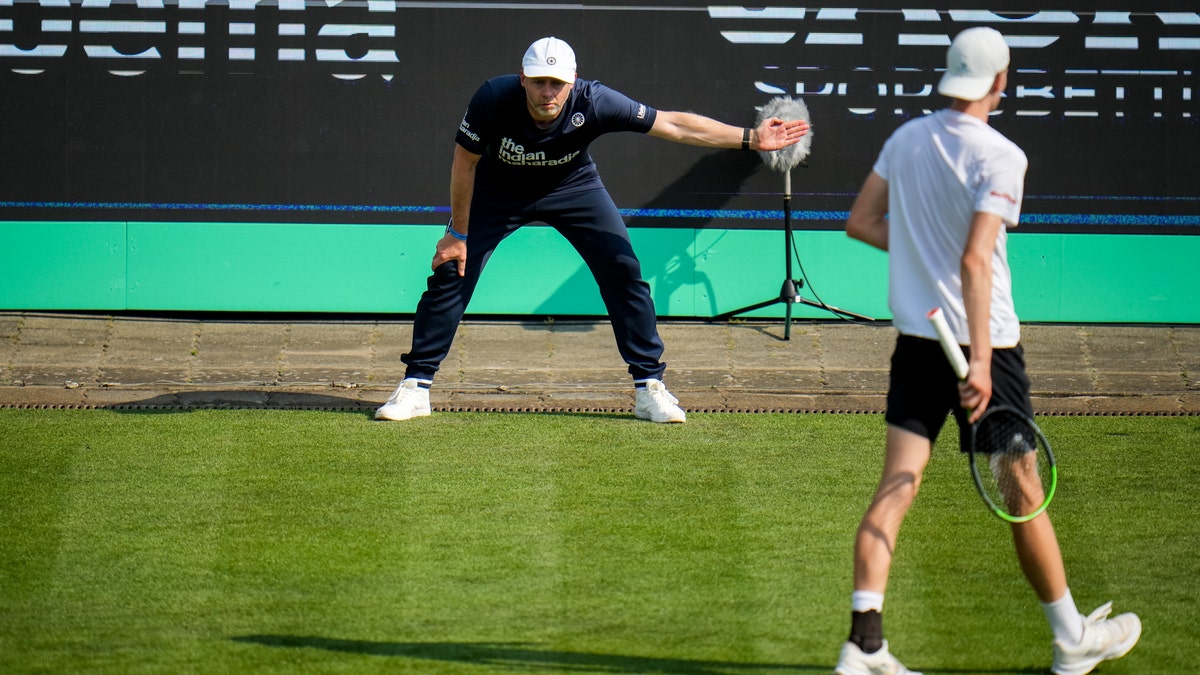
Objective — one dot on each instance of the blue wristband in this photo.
(454, 233)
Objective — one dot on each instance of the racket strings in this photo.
(1017, 464)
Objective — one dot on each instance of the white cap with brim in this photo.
(549, 57)
(975, 58)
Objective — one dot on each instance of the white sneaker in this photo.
(655, 403)
(855, 661)
(408, 401)
(1103, 639)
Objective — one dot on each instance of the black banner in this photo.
(345, 112)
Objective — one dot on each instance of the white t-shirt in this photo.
(941, 169)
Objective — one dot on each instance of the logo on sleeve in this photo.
(1005, 196)
(465, 129)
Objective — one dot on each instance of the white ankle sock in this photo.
(1064, 619)
(864, 601)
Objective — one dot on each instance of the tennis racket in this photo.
(1011, 461)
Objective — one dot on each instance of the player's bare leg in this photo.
(1040, 557)
(866, 651)
(907, 456)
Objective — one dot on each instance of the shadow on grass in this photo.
(249, 398)
(526, 656)
(265, 399)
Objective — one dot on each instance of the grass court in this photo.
(221, 541)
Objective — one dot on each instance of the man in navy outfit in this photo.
(521, 156)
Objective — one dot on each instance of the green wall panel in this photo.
(1097, 278)
(534, 271)
(62, 265)
(698, 273)
(692, 273)
(273, 267)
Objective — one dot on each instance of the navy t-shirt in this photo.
(520, 159)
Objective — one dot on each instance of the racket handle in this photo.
(949, 344)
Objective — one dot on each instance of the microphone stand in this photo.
(788, 294)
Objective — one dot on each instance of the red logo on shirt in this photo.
(1005, 196)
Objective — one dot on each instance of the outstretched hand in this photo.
(774, 133)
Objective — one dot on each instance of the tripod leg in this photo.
(729, 315)
(834, 310)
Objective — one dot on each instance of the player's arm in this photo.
(462, 190)
(693, 129)
(868, 216)
(976, 268)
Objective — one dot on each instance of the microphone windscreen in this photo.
(786, 108)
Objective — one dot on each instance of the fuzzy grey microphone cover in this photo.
(786, 108)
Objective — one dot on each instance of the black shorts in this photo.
(922, 387)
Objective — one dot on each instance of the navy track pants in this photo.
(590, 221)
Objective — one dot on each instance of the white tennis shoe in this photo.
(653, 402)
(855, 661)
(1103, 639)
(408, 401)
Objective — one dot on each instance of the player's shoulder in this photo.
(594, 95)
(497, 93)
(911, 132)
(499, 86)
(589, 88)
(1002, 147)
(917, 126)
(985, 139)
(603, 98)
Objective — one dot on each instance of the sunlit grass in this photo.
(302, 541)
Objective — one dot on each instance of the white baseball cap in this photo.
(975, 58)
(549, 57)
